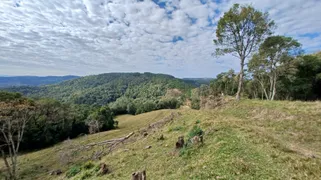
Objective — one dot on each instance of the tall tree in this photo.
(239, 32)
(275, 58)
(15, 112)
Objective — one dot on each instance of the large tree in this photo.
(275, 59)
(239, 32)
(15, 112)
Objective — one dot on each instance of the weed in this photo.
(88, 165)
(195, 131)
(73, 171)
(97, 168)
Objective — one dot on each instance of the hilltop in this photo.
(250, 139)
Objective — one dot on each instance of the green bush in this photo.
(73, 171)
(97, 168)
(196, 104)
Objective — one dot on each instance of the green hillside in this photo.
(250, 139)
(105, 88)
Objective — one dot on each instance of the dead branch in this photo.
(110, 142)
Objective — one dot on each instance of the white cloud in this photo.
(57, 37)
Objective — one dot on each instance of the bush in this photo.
(196, 104)
(171, 103)
(73, 171)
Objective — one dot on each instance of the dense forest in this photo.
(49, 121)
(105, 88)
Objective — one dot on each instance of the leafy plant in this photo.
(73, 171)
(195, 131)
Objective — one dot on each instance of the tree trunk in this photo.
(239, 89)
(274, 87)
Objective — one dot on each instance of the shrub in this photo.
(195, 104)
(73, 171)
(97, 168)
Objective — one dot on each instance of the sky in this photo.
(83, 37)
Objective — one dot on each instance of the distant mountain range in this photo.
(10, 81)
(198, 81)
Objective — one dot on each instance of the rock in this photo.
(139, 175)
(180, 142)
(148, 147)
(55, 172)
(103, 169)
(197, 139)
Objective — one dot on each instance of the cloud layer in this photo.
(81, 37)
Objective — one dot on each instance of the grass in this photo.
(250, 139)
(38, 164)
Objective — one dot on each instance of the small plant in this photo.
(198, 121)
(97, 168)
(116, 124)
(73, 171)
(88, 165)
(195, 131)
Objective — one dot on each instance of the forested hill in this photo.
(105, 88)
(32, 80)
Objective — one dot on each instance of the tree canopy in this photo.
(239, 32)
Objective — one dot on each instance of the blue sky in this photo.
(82, 37)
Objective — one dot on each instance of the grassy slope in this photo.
(37, 165)
(246, 140)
